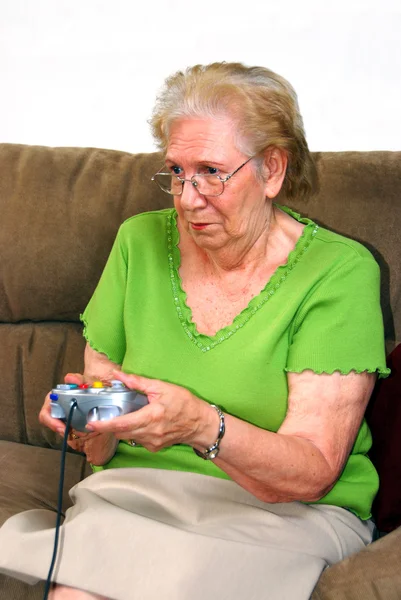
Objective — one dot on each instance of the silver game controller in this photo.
(95, 402)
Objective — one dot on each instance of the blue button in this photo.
(54, 397)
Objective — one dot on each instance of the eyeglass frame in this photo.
(194, 183)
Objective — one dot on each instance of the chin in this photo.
(206, 242)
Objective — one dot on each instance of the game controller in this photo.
(95, 402)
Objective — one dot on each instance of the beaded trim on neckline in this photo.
(184, 313)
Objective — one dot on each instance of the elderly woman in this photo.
(257, 337)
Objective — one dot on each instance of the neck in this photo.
(243, 254)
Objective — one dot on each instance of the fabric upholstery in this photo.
(60, 211)
(29, 477)
(33, 357)
(13, 589)
(372, 574)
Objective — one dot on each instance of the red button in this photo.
(84, 386)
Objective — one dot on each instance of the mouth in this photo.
(199, 226)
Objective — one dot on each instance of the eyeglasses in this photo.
(207, 184)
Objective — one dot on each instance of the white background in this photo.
(86, 72)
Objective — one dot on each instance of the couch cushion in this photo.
(372, 574)
(29, 478)
(60, 210)
(33, 358)
(13, 589)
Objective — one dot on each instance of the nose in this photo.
(190, 197)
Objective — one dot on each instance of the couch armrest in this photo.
(372, 574)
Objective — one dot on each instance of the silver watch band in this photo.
(213, 450)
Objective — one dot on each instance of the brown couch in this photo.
(60, 209)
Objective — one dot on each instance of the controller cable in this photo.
(60, 499)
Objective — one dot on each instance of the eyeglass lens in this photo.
(208, 185)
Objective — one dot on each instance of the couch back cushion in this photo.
(60, 211)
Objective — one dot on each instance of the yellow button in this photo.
(97, 384)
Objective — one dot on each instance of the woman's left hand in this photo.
(173, 416)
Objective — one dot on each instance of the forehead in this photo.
(202, 140)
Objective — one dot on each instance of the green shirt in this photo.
(320, 311)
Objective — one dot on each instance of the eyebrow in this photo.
(199, 162)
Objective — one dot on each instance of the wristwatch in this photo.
(213, 451)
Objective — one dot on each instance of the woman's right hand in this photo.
(98, 447)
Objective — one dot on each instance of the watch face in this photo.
(212, 455)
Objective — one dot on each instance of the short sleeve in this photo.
(339, 326)
(103, 318)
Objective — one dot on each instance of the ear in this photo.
(275, 165)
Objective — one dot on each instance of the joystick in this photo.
(95, 402)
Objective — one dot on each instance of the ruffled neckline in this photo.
(206, 343)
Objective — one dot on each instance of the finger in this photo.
(137, 434)
(82, 435)
(74, 378)
(122, 424)
(47, 420)
(75, 445)
(76, 439)
(137, 382)
(77, 435)
(111, 426)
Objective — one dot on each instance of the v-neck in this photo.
(184, 313)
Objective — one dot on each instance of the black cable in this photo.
(60, 499)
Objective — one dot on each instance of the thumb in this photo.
(74, 378)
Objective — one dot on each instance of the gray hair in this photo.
(263, 105)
